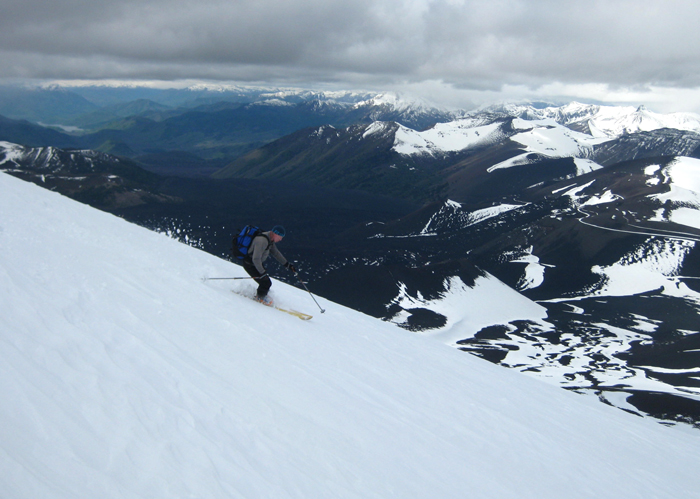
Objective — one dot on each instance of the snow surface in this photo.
(604, 122)
(605, 198)
(123, 375)
(445, 137)
(682, 201)
(478, 216)
(470, 309)
(614, 121)
(12, 153)
(548, 138)
(652, 265)
(533, 275)
(683, 175)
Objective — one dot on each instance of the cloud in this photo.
(468, 45)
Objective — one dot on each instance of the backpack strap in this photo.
(269, 241)
(248, 256)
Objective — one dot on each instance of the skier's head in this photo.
(279, 231)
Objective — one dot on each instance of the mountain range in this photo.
(583, 218)
(209, 126)
(450, 159)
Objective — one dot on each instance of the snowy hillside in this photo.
(546, 138)
(445, 137)
(123, 375)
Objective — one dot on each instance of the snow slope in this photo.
(681, 204)
(470, 309)
(550, 139)
(613, 121)
(445, 137)
(123, 375)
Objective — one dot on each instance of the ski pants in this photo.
(264, 284)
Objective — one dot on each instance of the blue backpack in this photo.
(241, 242)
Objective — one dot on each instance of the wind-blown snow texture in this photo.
(123, 375)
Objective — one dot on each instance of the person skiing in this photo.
(263, 245)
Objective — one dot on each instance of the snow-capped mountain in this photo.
(600, 121)
(124, 375)
(409, 111)
(100, 179)
(550, 129)
(444, 137)
(193, 131)
(354, 106)
(448, 159)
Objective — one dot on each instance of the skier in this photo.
(263, 245)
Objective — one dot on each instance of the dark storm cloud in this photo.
(468, 44)
(531, 42)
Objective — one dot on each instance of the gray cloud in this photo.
(466, 44)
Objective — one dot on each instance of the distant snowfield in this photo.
(613, 121)
(608, 121)
(123, 375)
(469, 309)
(444, 137)
(12, 153)
(682, 202)
(550, 139)
(491, 212)
(653, 265)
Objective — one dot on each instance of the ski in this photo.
(295, 313)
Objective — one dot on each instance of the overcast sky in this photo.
(450, 52)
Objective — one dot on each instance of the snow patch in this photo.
(479, 216)
(682, 202)
(533, 275)
(549, 139)
(375, 128)
(444, 137)
(585, 165)
(470, 309)
(605, 198)
(653, 265)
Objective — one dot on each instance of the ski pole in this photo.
(224, 278)
(307, 289)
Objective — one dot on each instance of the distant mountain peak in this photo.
(598, 120)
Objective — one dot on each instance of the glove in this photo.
(290, 267)
(263, 276)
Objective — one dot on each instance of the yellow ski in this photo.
(295, 313)
(301, 315)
